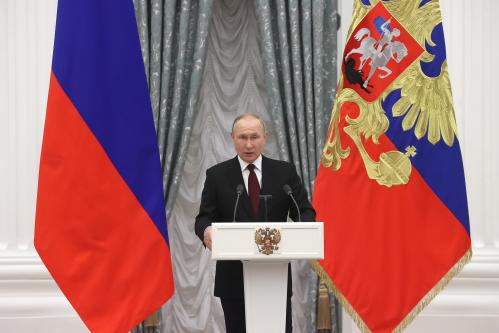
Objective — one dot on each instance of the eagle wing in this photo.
(258, 238)
(426, 102)
(277, 237)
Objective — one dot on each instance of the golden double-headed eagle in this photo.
(425, 103)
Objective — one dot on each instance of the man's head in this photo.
(249, 136)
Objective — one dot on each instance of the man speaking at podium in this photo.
(263, 189)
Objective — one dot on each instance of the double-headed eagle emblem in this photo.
(392, 50)
(267, 240)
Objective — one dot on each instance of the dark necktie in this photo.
(254, 189)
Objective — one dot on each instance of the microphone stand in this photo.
(296, 205)
(287, 189)
(239, 191)
(265, 198)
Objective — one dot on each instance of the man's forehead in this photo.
(248, 131)
(248, 124)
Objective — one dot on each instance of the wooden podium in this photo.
(265, 249)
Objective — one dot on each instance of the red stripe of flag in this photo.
(96, 238)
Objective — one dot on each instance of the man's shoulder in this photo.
(222, 166)
(276, 163)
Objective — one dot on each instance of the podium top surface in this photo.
(267, 241)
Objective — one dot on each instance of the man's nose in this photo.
(249, 143)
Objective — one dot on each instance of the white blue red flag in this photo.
(390, 187)
(100, 220)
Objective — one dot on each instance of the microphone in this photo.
(239, 191)
(287, 189)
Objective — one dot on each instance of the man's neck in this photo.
(257, 162)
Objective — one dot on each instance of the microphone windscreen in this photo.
(287, 189)
(239, 189)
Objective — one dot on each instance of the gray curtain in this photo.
(298, 42)
(173, 35)
(233, 83)
(298, 45)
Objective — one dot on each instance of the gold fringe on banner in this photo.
(414, 312)
(434, 291)
(343, 301)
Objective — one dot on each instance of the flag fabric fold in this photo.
(390, 187)
(100, 222)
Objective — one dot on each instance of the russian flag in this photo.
(100, 221)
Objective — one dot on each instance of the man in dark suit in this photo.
(260, 176)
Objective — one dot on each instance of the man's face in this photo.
(249, 138)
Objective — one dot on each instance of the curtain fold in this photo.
(232, 84)
(299, 41)
(203, 70)
(173, 36)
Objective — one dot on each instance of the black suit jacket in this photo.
(217, 205)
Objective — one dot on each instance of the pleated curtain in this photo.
(207, 62)
(299, 51)
(173, 36)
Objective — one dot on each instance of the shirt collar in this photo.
(257, 163)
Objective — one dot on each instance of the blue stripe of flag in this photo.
(109, 89)
(441, 166)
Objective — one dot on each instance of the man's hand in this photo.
(207, 237)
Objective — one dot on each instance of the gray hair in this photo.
(249, 115)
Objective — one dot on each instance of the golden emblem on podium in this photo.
(267, 240)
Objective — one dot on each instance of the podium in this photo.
(266, 248)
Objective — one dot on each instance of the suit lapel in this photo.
(266, 175)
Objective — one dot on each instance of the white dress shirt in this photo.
(258, 170)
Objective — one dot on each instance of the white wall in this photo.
(30, 301)
(471, 301)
